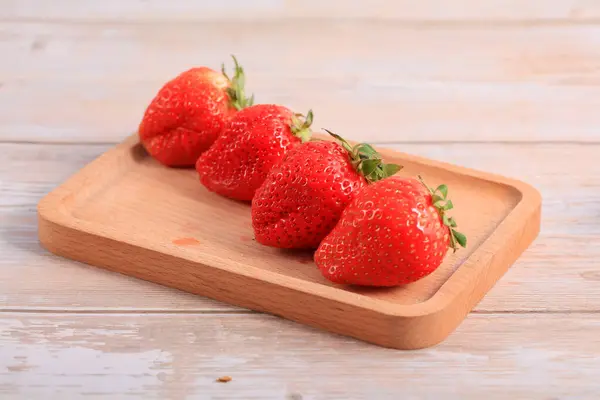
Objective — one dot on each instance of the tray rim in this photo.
(52, 210)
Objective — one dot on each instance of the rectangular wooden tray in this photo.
(126, 213)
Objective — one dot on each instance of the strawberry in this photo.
(254, 140)
(394, 232)
(303, 197)
(188, 113)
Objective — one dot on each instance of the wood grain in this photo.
(538, 281)
(529, 356)
(366, 79)
(462, 11)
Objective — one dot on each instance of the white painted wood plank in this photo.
(558, 273)
(201, 10)
(31, 278)
(533, 356)
(365, 79)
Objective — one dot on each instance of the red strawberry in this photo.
(189, 112)
(394, 232)
(303, 197)
(254, 140)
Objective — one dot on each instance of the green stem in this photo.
(301, 126)
(235, 91)
(439, 199)
(366, 160)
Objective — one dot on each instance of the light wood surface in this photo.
(489, 73)
(482, 82)
(159, 356)
(567, 194)
(404, 10)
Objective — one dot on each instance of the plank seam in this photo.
(124, 311)
(487, 23)
(247, 312)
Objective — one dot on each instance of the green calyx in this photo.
(235, 91)
(439, 198)
(367, 161)
(301, 125)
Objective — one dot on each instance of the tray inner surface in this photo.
(142, 200)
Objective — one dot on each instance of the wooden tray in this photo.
(126, 213)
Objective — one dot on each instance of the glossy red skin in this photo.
(389, 235)
(253, 141)
(186, 116)
(303, 197)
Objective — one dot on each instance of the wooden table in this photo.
(511, 87)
